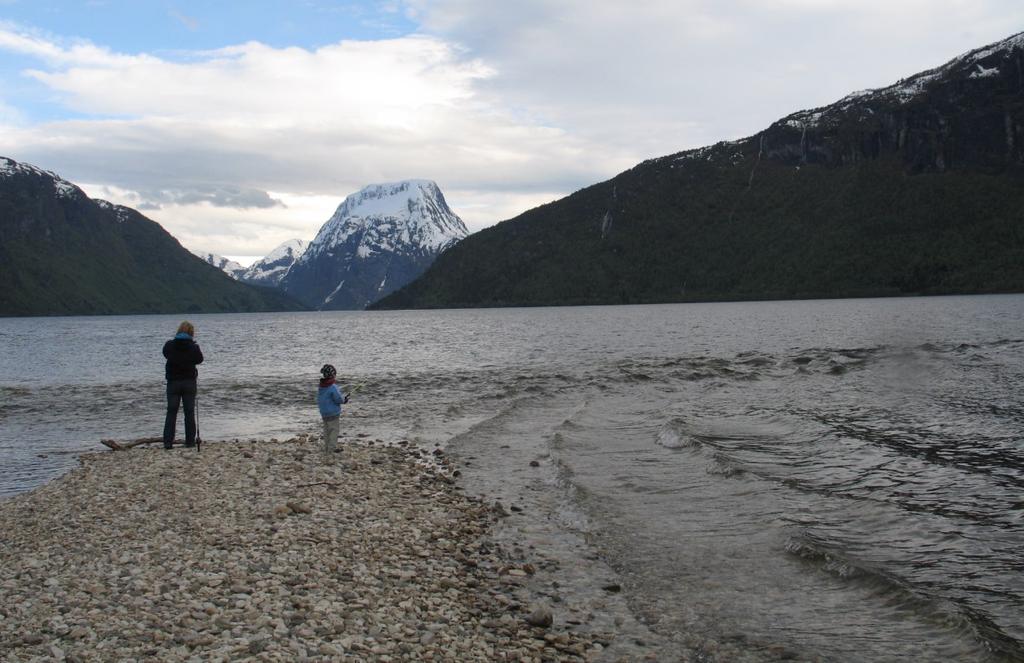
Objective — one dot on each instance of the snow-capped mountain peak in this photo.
(410, 216)
(293, 248)
(269, 270)
(380, 238)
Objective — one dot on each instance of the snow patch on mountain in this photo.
(120, 211)
(726, 151)
(1008, 44)
(982, 72)
(65, 189)
(334, 292)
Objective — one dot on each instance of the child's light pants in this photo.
(332, 426)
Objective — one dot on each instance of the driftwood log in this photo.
(124, 446)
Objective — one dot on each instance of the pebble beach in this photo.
(273, 551)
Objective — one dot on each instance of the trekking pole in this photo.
(195, 408)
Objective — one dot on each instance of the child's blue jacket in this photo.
(329, 399)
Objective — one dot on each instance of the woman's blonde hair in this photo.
(187, 327)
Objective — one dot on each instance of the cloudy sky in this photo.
(238, 125)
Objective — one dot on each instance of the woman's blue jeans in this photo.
(180, 392)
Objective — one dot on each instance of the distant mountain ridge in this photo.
(267, 271)
(270, 269)
(379, 239)
(963, 113)
(229, 267)
(62, 253)
(914, 188)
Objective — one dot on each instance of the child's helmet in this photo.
(328, 371)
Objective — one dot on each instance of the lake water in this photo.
(841, 479)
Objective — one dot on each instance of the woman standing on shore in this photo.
(183, 354)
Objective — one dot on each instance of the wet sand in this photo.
(270, 550)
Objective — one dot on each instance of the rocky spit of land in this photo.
(269, 551)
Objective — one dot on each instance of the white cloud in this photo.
(225, 128)
(385, 83)
(663, 75)
(228, 230)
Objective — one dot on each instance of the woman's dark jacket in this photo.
(182, 356)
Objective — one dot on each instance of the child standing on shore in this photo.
(330, 400)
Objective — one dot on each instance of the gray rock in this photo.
(328, 649)
(299, 507)
(540, 616)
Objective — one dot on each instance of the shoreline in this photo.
(263, 550)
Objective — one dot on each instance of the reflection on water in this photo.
(822, 479)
